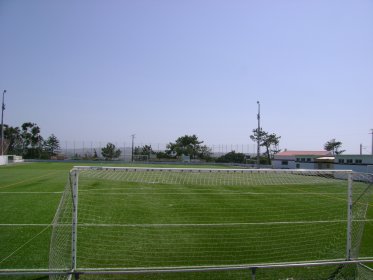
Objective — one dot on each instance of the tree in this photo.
(95, 156)
(232, 157)
(13, 137)
(164, 155)
(28, 142)
(268, 140)
(334, 147)
(146, 150)
(32, 141)
(110, 152)
(205, 153)
(189, 145)
(52, 145)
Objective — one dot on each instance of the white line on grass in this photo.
(25, 225)
(24, 244)
(28, 180)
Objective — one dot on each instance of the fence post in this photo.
(253, 271)
(74, 184)
(349, 217)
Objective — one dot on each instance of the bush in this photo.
(232, 157)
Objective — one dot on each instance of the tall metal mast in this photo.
(2, 124)
(258, 138)
(133, 142)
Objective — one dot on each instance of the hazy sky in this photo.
(103, 70)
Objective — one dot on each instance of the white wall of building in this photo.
(3, 160)
(357, 163)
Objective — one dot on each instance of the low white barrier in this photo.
(3, 160)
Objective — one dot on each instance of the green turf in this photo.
(29, 194)
(197, 206)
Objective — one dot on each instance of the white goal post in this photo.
(125, 220)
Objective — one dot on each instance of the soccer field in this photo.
(152, 222)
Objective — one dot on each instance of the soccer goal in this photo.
(141, 223)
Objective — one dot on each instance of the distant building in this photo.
(303, 160)
(322, 160)
(358, 163)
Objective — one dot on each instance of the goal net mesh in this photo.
(142, 219)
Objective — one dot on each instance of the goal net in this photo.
(217, 222)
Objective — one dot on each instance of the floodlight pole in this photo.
(2, 124)
(258, 138)
(133, 142)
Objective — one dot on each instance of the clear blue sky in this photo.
(103, 70)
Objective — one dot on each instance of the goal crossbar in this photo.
(209, 170)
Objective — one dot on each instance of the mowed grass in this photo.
(29, 197)
(154, 225)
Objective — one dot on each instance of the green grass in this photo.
(30, 193)
(201, 236)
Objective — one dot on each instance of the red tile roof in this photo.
(304, 153)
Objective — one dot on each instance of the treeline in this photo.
(187, 146)
(27, 141)
(191, 146)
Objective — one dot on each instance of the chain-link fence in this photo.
(93, 149)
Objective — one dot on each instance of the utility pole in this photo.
(2, 124)
(372, 139)
(258, 139)
(133, 142)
